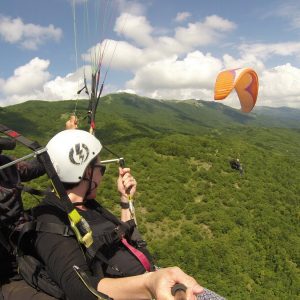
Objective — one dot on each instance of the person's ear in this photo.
(88, 171)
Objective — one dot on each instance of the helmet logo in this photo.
(79, 154)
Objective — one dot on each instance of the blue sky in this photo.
(171, 49)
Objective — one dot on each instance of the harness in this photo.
(125, 233)
(35, 272)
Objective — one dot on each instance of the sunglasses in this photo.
(101, 167)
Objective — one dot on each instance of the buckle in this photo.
(141, 243)
(66, 231)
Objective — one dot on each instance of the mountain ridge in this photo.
(282, 117)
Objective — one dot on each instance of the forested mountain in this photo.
(278, 117)
(238, 235)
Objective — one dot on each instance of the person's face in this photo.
(98, 173)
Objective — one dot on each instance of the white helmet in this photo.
(71, 151)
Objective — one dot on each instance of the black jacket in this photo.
(60, 253)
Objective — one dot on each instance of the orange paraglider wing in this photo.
(244, 81)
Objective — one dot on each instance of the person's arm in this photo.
(150, 285)
(72, 123)
(60, 254)
(31, 169)
(126, 186)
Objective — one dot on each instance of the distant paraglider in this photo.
(236, 165)
(244, 81)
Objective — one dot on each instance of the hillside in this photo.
(238, 235)
(278, 117)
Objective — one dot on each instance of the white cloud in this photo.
(132, 7)
(32, 81)
(204, 33)
(245, 61)
(182, 16)
(64, 88)
(27, 78)
(218, 23)
(118, 54)
(78, 1)
(29, 36)
(125, 56)
(280, 86)
(196, 71)
(154, 49)
(138, 29)
(264, 51)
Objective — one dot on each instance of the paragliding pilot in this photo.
(236, 165)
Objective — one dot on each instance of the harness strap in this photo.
(4, 243)
(34, 191)
(27, 227)
(33, 145)
(86, 281)
(55, 228)
(91, 252)
(66, 230)
(138, 254)
(4, 176)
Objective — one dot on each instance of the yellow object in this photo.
(81, 228)
(244, 81)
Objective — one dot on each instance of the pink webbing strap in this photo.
(138, 254)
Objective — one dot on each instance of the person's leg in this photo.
(20, 290)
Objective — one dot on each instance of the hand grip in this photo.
(178, 291)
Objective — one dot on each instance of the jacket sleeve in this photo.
(59, 254)
(29, 170)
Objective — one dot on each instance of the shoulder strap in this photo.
(55, 228)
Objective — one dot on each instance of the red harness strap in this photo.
(138, 254)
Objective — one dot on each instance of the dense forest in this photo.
(237, 234)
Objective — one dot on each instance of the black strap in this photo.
(34, 191)
(108, 215)
(55, 228)
(33, 145)
(44, 158)
(27, 227)
(4, 243)
(86, 280)
(3, 176)
(65, 230)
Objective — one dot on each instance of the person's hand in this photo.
(161, 282)
(72, 123)
(126, 184)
